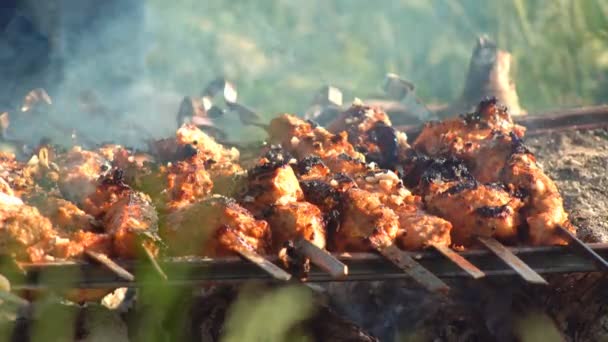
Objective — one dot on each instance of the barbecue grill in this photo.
(528, 262)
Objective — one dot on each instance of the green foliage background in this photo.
(279, 52)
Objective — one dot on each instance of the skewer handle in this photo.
(152, 259)
(270, 268)
(405, 262)
(460, 261)
(110, 265)
(527, 273)
(322, 258)
(244, 249)
(579, 246)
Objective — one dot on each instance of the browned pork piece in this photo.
(215, 226)
(274, 194)
(11, 172)
(364, 215)
(303, 138)
(132, 222)
(128, 216)
(209, 149)
(272, 182)
(64, 215)
(136, 166)
(196, 146)
(293, 220)
(187, 182)
(48, 227)
(461, 136)
(418, 229)
(484, 140)
(79, 171)
(474, 209)
(369, 131)
(26, 178)
(543, 202)
(108, 190)
(28, 236)
(23, 232)
(198, 167)
(359, 119)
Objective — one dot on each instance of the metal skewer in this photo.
(110, 265)
(527, 273)
(321, 258)
(270, 268)
(405, 262)
(246, 251)
(459, 261)
(579, 246)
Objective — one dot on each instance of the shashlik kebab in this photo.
(490, 145)
(335, 198)
(362, 189)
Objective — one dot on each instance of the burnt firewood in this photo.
(489, 76)
(194, 110)
(34, 99)
(4, 123)
(325, 106)
(246, 115)
(400, 102)
(397, 88)
(328, 96)
(223, 87)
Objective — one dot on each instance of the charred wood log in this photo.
(489, 75)
(325, 106)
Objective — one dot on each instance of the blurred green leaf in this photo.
(596, 16)
(268, 315)
(534, 327)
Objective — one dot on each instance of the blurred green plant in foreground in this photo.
(269, 316)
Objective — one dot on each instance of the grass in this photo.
(280, 52)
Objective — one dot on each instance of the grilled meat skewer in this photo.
(298, 227)
(490, 144)
(417, 229)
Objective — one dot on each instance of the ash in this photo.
(400, 310)
(577, 161)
